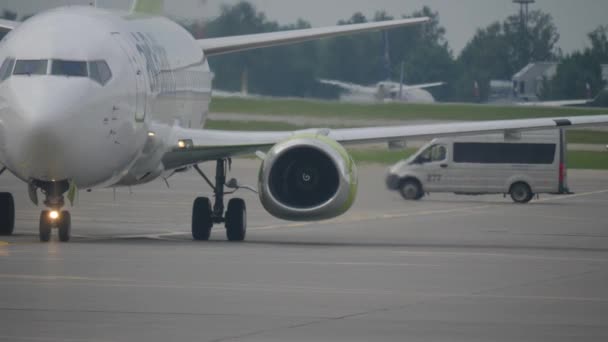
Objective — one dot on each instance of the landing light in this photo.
(185, 143)
(53, 214)
(151, 134)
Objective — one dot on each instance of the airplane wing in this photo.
(351, 86)
(423, 86)
(8, 25)
(218, 46)
(193, 146)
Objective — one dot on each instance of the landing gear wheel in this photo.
(521, 193)
(65, 226)
(201, 219)
(411, 190)
(45, 226)
(7, 214)
(236, 220)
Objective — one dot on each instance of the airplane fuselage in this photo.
(61, 125)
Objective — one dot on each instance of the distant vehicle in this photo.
(386, 91)
(521, 164)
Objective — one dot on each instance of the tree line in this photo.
(497, 51)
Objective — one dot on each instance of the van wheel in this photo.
(411, 190)
(521, 193)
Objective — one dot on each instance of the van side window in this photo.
(502, 153)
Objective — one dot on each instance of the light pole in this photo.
(524, 10)
(524, 37)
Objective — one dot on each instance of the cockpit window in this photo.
(69, 68)
(6, 69)
(31, 67)
(100, 72)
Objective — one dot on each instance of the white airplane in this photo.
(386, 91)
(91, 98)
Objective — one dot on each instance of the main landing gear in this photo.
(54, 217)
(204, 216)
(7, 212)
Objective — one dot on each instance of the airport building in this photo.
(528, 82)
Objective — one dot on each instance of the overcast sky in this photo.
(461, 18)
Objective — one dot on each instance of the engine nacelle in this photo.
(307, 178)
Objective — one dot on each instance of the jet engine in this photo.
(307, 178)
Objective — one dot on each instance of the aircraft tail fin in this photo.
(148, 6)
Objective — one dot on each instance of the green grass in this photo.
(397, 111)
(251, 126)
(587, 137)
(377, 156)
(588, 160)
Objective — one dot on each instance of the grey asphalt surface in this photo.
(447, 268)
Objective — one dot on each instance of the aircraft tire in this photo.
(65, 226)
(45, 226)
(7, 214)
(236, 220)
(201, 219)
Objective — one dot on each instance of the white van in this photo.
(521, 164)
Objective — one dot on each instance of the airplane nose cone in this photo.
(46, 131)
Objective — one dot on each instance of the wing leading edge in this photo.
(423, 86)
(223, 45)
(208, 145)
(8, 25)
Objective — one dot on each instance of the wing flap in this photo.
(218, 46)
(208, 145)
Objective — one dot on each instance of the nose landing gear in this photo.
(204, 216)
(54, 217)
(49, 219)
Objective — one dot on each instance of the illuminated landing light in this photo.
(151, 134)
(53, 214)
(185, 143)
